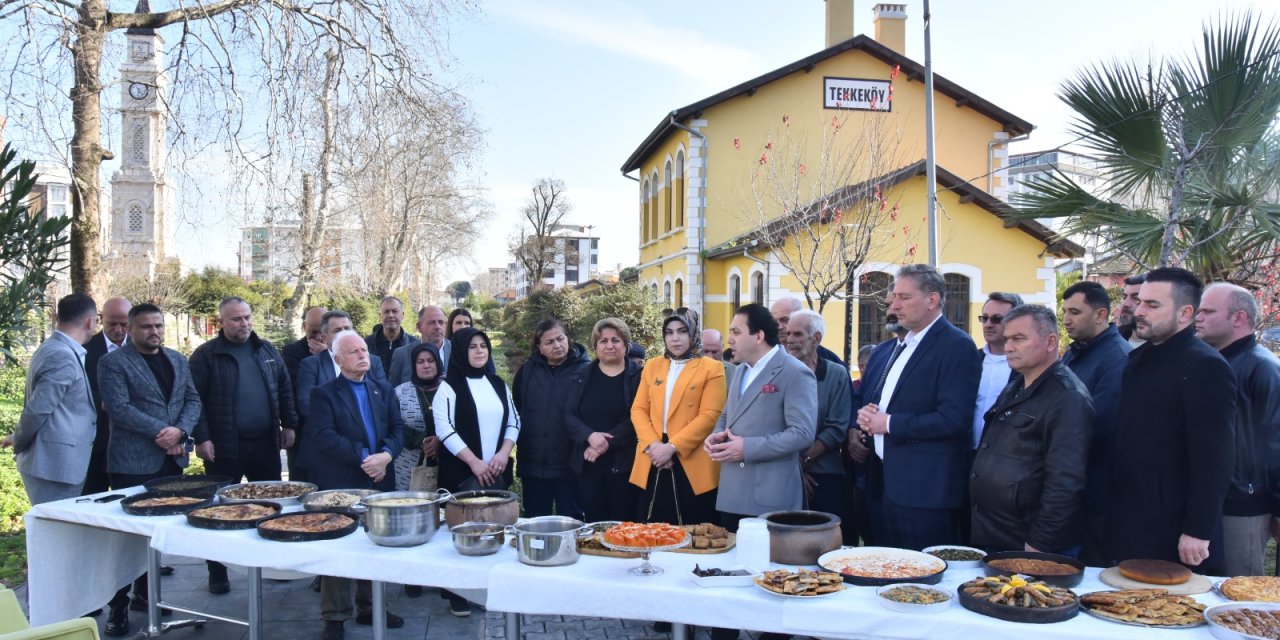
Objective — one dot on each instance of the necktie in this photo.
(876, 390)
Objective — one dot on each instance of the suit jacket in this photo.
(777, 427)
(55, 433)
(138, 410)
(316, 371)
(333, 450)
(94, 349)
(927, 450)
(696, 403)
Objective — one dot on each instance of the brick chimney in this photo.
(891, 26)
(839, 21)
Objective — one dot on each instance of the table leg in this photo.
(679, 631)
(255, 603)
(512, 621)
(153, 592)
(379, 611)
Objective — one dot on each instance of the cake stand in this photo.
(645, 568)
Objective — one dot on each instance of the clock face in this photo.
(138, 91)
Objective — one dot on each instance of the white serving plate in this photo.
(907, 607)
(727, 581)
(1223, 633)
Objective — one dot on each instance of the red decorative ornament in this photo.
(737, 143)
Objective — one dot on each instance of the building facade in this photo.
(577, 259)
(273, 252)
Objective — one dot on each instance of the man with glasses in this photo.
(995, 364)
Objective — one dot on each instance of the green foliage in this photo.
(32, 249)
(207, 289)
(13, 565)
(633, 304)
(13, 498)
(459, 290)
(363, 308)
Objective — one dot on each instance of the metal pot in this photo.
(502, 506)
(549, 541)
(401, 525)
(478, 538)
(800, 537)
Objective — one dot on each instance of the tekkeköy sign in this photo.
(857, 94)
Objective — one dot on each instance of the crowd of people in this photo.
(1153, 436)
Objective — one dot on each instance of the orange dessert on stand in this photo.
(635, 534)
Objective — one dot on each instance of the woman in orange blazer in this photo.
(680, 397)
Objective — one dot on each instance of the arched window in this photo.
(757, 287)
(667, 199)
(735, 291)
(956, 306)
(679, 296)
(678, 188)
(873, 289)
(666, 292)
(646, 233)
(653, 205)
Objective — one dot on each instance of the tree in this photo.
(534, 245)
(1189, 155)
(459, 290)
(284, 36)
(32, 251)
(208, 288)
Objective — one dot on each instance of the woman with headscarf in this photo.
(681, 395)
(415, 397)
(475, 418)
(597, 416)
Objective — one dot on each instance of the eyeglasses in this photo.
(993, 319)
(668, 312)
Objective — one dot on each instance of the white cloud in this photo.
(627, 32)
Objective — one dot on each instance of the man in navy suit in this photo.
(919, 410)
(353, 434)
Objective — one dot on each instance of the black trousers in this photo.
(256, 459)
(669, 498)
(605, 491)
(120, 481)
(548, 496)
(97, 480)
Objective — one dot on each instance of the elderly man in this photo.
(389, 335)
(1173, 451)
(1027, 484)
(713, 347)
(353, 433)
(431, 326)
(782, 311)
(1226, 320)
(1097, 356)
(114, 334)
(248, 410)
(1126, 323)
(823, 471)
(919, 411)
(55, 433)
(995, 364)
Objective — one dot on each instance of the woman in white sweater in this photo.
(475, 418)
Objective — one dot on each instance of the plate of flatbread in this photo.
(801, 584)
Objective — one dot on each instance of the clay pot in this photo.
(800, 537)
(505, 509)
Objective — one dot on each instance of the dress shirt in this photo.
(891, 383)
(995, 377)
(673, 373)
(337, 371)
(111, 346)
(754, 370)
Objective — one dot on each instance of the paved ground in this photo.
(292, 612)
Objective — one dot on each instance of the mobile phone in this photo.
(109, 498)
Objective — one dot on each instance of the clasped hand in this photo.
(597, 445)
(725, 446)
(375, 466)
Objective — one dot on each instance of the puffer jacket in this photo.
(540, 392)
(214, 373)
(1028, 477)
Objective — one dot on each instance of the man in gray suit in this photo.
(770, 417)
(55, 433)
(153, 406)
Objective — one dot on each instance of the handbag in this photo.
(424, 477)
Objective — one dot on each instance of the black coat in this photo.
(294, 353)
(332, 451)
(214, 372)
(622, 448)
(1255, 485)
(540, 392)
(1173, 450)
(1028, 478)
(94, 349)
(1099, 364)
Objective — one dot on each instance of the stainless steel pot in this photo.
(478, 538)
(401, 518)
(549, 541)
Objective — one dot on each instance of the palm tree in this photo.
(1189, 155)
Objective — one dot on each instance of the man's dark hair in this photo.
(1007, 298)
(927, 278)
(329, 315)
(1095, 295)
(1138, 279)
(759, 319)
(1187, 288)
(145, 307)
(1045, 320)
(75, 308)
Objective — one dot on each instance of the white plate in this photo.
(959, 564)
(726, 581)
(1223, 633)
(930, 565)
(907, 607)
(788, 595)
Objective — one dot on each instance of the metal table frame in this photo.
(156, 628)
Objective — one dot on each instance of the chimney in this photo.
(839, 21)
(891, 26)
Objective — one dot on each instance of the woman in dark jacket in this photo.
(475, 419)
(598, 419)
(540, 391)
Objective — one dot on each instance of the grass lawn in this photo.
(13, 559)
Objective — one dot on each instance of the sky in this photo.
(568, 88)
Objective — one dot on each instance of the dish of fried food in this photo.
(1017, 591)
(267, 491)
(1033, 566)
(313, 522)
(1253, 622)
(635, 534)
(1154, 571)
(1149, 607)
(167, 501)
(236, 512)
(801, 583)
(1251, 589)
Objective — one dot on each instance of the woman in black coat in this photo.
(475, 420)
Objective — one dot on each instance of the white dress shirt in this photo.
(891, 383)
(111, 346)
(754, 370)
(995, 377)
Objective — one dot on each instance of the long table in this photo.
(66, 580)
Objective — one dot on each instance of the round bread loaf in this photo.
(1155, 571)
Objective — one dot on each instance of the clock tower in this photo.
(140, 219)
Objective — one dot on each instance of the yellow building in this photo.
(830, 150)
